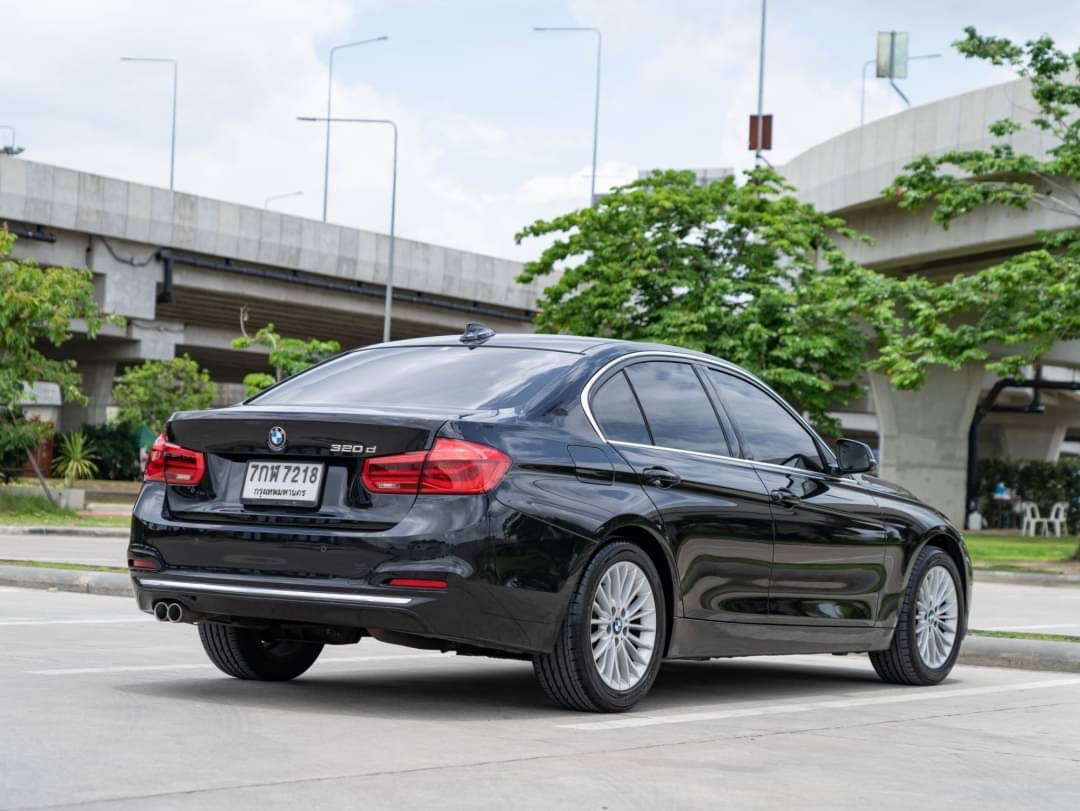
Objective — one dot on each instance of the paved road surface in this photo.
(105, 708)
(996, 606)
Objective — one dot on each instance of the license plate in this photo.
(287, 483)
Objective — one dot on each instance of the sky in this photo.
(495, 119)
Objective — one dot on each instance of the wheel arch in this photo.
(953, 546)
(659, 554)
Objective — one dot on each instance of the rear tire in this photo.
(930, 627)
(244, 653)
(611, 642)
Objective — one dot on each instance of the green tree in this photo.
(1031, 300)
(37, 306)
(740, 270)
(288, 356)
(148, 394)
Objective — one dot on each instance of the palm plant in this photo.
(76, 459)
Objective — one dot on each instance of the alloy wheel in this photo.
(937, 611)
(623, 625)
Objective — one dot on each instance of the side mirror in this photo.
(853, 456)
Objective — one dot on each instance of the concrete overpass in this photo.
(180, 268)
(922, 436)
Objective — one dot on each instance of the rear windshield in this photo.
(427, 377)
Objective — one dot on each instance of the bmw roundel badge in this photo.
(275, 440)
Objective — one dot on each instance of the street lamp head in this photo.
(308, 118)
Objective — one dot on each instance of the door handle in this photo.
(660, 476)
(782, 495)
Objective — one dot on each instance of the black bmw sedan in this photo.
(596, 506)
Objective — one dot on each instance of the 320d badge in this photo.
(594, 506)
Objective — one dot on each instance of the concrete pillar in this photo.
(97, 384)
(1040, 440)
(924, 434)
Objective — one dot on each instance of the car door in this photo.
(715, 510)
(828, 560)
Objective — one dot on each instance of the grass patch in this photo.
(1002, 551)
(34, 510)
(1022, 635)
(77, 567)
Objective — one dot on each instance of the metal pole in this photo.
(388, 308)
(329, 114)
(596, 109)
(172, 147)
(862, 100)
(596, 119)
(390, 269)
(273, 197)
(176, 73)
(862, 103)
(761, 90)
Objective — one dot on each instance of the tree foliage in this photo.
(1031, 300)
(148, 394)
(740, 270)
(37, 305)
(287, 357)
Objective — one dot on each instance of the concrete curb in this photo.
(1027, 578)
(1022, 654)
(86, 532)
(112, 584)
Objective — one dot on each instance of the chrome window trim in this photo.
(267, 591)
(720, 366)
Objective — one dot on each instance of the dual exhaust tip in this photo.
(168, 612)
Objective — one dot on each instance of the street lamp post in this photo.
(274, 197)
(761, 91)
(866, 66)
(596, 106)
(329, 114)
(176, 72)
(388, 306)
(9, 150)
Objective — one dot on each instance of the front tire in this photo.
(930, 626)
(244, 653)
(611, 642)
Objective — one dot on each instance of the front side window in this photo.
(677, 409)
(767, 429)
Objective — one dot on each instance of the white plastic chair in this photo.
(1032, 519)
(1056, 521)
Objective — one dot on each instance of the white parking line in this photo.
(83, 671)
(900, 695)
(80, 621)
(1029, 627)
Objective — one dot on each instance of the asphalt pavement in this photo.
(103, 707)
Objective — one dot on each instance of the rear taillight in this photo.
(172, 464)
(451, 467)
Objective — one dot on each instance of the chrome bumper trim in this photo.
(267, 591)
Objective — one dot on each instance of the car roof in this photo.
(576, 344)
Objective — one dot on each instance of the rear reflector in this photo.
(414, 583)
(451, 467)
(143, 564)
(172, 464)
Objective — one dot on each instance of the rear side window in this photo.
(677, 409)
(771, 433)
(427, 377)
(617, 412)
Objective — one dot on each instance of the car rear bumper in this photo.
(317, 576)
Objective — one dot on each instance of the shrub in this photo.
(75, 458)
(117, 450)
(1043, 483)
